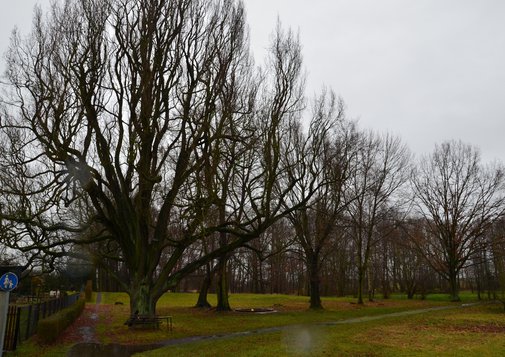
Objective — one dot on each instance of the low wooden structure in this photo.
(155, 321)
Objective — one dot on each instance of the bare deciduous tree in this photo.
(328, 156)
(382, 164)
(458, 199)
(127, 123)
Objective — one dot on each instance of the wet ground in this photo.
(110, 350)
(84, 330)
(93, 349)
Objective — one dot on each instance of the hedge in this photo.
(50, 328)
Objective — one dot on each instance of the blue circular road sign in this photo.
(8, 281)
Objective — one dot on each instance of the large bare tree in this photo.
(327, 161)
(373, 195)
(458, 199)
(127, 124)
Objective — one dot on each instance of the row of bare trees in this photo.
(354, 236)
(395, 264)
(141, 135)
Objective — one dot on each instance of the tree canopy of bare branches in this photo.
(458, 199)
(127, 124)
(372, 195)
(327, 158)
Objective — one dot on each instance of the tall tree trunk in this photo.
(411, 289)
(261, 283)
(453, 283)
(223, 303)
(361, 279)
(370, 285)
(142, 300)
(204, 289)
(385, 274)
(314, 282)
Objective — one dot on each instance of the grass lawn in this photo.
(189, 321)
(476, 331)
(375, 338)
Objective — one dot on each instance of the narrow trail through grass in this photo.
(465, 329)
(194, 339)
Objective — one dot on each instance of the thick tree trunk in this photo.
(314, 282)
(223, 303)
(142, 300)
(453, 283)
(204, 289)
(370, 286)
(360, 285)
(411, 290)
(478, 286)
(385, 291)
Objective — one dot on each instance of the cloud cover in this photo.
(427, 70)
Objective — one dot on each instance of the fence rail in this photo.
(22, 319)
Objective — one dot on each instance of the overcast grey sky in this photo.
(427, 70)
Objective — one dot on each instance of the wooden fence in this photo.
(22, 319)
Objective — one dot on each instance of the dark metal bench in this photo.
(149, 320)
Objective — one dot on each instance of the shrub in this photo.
(50, 328)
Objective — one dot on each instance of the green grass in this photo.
(477, 331)
(465, 296)
(189, 321)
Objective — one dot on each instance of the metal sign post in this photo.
(8, 282)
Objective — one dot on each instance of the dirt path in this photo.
(83, 329)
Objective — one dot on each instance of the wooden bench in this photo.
(149, 320)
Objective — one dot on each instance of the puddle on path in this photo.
(110, 350)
